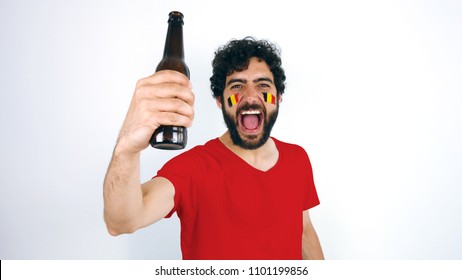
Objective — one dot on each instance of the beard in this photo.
(251, 142)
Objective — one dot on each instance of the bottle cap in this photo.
(175, 15)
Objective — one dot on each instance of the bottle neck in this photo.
(174, 41)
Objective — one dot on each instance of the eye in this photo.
(236, 86)
(264, 85)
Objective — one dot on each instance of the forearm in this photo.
(311, 247)
(123, 198)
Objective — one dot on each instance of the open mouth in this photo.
(250, 121)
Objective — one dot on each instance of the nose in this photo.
(251, 95)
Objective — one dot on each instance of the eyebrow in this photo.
(263, 80)
(236, 81)
(245, 81)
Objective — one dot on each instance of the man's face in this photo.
(250, 105)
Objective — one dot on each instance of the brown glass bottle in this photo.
(172, 137)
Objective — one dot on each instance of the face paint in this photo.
(232, 100)
(268, 97)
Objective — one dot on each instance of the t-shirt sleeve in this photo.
(311, 195)
(179, 171)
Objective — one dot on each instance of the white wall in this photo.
(374, 93)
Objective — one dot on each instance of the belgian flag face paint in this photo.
(232, 100)
(269, 98)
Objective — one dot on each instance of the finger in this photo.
(166, 76)
(172, 90)
(173, 105)
(165, 90)
(171, 118)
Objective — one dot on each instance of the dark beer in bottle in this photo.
(172, 137)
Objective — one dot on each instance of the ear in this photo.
(218, 100)
(279, 98)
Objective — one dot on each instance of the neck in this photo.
(262, 158)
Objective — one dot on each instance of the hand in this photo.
(165, 98)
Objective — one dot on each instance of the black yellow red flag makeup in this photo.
(232, 100)
(268, 97)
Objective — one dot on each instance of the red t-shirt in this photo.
(230, 210)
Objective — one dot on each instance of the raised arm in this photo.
(164, 98)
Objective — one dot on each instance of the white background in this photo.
(374, 92)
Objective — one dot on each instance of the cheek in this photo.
(232, 100)
(271, 112)
(231, 112)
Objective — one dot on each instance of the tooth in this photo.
(251, 112)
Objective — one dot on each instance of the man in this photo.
(244, 195)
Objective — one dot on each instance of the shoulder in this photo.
(292, 151)
(196, 154)
(288, 147)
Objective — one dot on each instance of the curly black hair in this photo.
(235, 56)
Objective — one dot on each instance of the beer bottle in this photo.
(172, 137)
